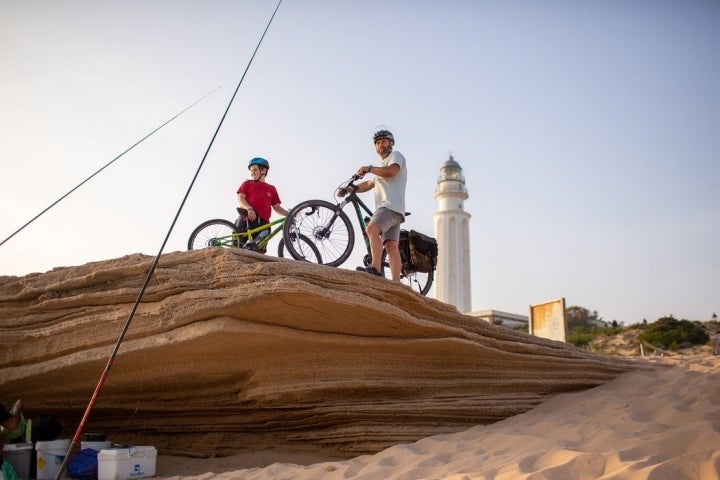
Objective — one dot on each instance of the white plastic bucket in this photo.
(96, 445)
(50, 456)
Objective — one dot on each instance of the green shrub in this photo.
(581, 339)
(674, 334)
(581, 336)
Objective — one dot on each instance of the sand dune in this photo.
(661, 423)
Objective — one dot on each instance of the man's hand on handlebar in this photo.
(345, 190)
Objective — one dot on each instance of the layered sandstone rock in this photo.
(233, 351)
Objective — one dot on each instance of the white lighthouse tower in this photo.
(452, 230)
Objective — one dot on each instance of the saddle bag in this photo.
(423, 251)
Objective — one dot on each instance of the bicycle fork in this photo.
(322, 232)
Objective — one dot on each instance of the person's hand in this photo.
(344, 191)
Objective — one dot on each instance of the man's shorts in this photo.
(389, 223)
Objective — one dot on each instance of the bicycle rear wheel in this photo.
(304, 246)
(213, 233)
(326, 225)
(418, 281)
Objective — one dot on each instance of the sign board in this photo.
(547, 320)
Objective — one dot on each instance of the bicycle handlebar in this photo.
(342, 189)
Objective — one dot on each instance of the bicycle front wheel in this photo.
(418, 281)
(304, 246)
(326, 225)
(213, 233)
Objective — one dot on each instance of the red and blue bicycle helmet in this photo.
(260, 162)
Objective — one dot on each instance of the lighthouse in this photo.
(452, 230)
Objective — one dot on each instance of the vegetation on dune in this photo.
(587, 329)
(674, 334)
(583, 326)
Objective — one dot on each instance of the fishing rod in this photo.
(108, 164)
(111, 359)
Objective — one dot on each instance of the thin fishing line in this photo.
(107, 165)
(106, 371)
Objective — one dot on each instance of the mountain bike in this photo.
(223, 233)
(329, 227)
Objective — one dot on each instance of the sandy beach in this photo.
(661, 422)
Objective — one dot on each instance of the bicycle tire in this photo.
(212, 233)
(326, 225)
(306, 246)
(418, 281)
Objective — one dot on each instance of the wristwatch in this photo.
(370, 167)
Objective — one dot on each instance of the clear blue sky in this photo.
(588, 131)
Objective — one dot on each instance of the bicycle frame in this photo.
(234, 239)
(359, 205)
(222, 233)
(263, 241)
